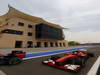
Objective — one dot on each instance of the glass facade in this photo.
(44, 31)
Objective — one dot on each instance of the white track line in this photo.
(2, 73)
(95, 67)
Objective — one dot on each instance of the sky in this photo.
(82, 17)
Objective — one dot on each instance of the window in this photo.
(45, 44)
(56, 44)
(64, 44)
(21, 24)
(18, 44)
(29, 34)
(10, 31)
(38, 44)
(60, 44)
(29, 26)
(30, 44)
(51, 44)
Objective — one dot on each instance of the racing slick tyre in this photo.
(83, 62)
(14, 61)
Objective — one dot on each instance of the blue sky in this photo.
(82, 17)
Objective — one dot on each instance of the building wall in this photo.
(8, 40)
(56, 43)
(13, 24)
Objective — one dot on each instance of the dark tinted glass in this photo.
(20, 24)
(29, 34)
(29, 26)
(10, 31)
(48, 32)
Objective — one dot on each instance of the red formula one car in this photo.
(73, 61)
(15, 57)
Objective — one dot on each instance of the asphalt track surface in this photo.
(35, 67)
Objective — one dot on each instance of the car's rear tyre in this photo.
(80, 61)
(83, 62)
(15, 60)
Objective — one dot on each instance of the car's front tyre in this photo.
(14, 61)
